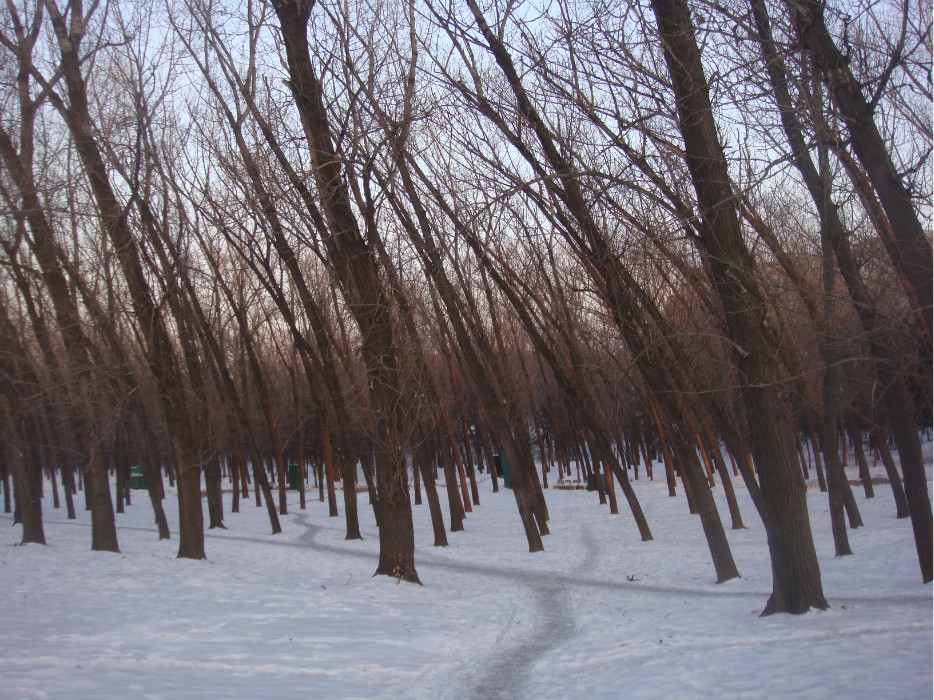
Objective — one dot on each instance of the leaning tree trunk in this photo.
(356, 269)
(867, 143)
(717, 543)
(913, 246)
(422, 463)
(796, 582)
(898, 493)
(455, 505)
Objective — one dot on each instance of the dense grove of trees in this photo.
(412, 235)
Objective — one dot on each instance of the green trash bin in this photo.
(502, 469)
(293, 476)
(136, 478)
(592, 482)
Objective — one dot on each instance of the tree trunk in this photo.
(717, 543)
(27, 476)
(54, 481)
(468, 453)
(865, 140)
(796, 583)
(422, 459)
(901, 503)
(803, 458)
(714, 451)
(349, 477)
(214, 488)
(455, 505)
(417, 485)
(68, 486)
(818, 460)
(262, 488)
(329, 469)
(355, 267)
(634, 505)
(7, 505)
(856, 437)
(370, 478)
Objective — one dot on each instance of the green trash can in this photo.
(502, 469)
(136, 478)
(293, 476)
(592, 482)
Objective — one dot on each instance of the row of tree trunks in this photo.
(19, 163)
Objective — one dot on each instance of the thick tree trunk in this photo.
(190, 515)
(355, 267)
(97, 490)
(796, 583)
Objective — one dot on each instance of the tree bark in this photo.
(355, 267)
(796, 583)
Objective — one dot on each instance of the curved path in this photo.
(504, 670)
(541, 612)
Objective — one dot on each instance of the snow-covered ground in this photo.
(598, 614)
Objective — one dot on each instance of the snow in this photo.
(599, 614)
